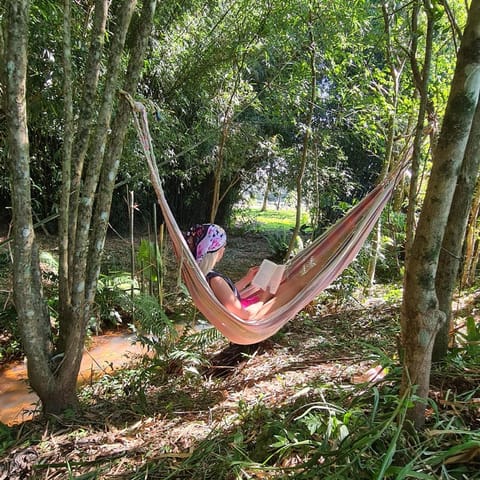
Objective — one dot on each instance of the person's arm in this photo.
(227, 298)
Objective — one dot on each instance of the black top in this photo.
(230, 282)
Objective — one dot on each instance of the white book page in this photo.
(269, 276)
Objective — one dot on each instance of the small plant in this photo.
(150, 265)
(111, 300)
(279, 241)
(471, 338)
(176, 347)
(6, 438)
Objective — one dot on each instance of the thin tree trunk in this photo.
(268, 188)
(306, 139)
(64, 207)
(70, 199)
(421, 78)
(218, 172)
(142, 27)
(396, 67)
(86, 117)
(450, 255)
(228, 116)
(468, 272)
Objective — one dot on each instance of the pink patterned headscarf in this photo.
(205, 238)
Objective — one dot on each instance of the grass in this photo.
(267, 221)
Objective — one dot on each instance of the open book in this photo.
(269, 276)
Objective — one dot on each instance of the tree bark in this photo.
(31, 309)
(451, 252)
(88, 104)
(71, 186)
(55, 384)
(138, 48)
(421, 317)
(267, 190)
(80, 302)
(469, 264)
(64, 206)
(306, 140)
(396, 66)
(421, 77)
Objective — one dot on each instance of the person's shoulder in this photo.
(213, 274)
(218, 278)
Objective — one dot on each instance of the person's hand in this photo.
(246, 280)
(252, 271)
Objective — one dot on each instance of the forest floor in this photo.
(123, 433)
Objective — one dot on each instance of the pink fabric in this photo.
(249, 300)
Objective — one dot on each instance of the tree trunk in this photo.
(64, 206)
(468, 271)
(421, 78)
(450, 255)
(71, 184)
(86, 117)
(396, 67)
(268, 188)
(83, 224)
(421, 317)
(81, 300)
(137, 51)
(306, 139)
(33, 318)
(218, 171)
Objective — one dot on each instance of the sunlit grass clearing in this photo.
(274, 219)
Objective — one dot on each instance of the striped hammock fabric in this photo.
(306, 275)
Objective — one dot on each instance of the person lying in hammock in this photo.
(207, 243)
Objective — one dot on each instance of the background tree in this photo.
(471, 243)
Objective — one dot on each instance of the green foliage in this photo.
(130, 384)
(244, 220)
(390, 261)
(112, 299)
(468, 339)
(472, 338)
(175, 346)
(10, 341)
(314, 438)
(6, 438)
(149, 260)
(154, 328)
(393, 293)
(279, 241)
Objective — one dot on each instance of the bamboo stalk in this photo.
(161, 263)
(131, 207)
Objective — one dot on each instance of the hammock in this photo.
(306, 275)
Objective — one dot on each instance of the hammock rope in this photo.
(312, 270)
